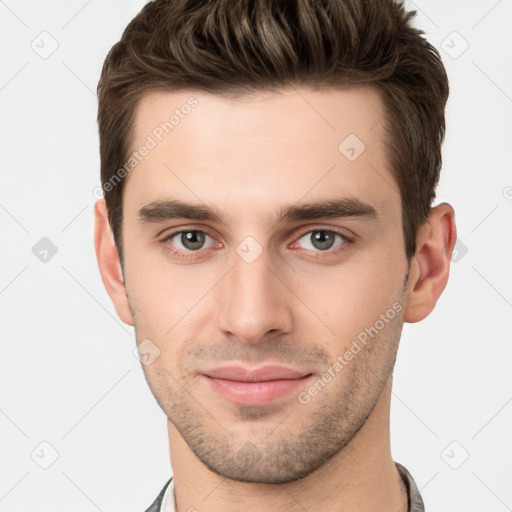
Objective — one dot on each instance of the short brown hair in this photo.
(238, 47)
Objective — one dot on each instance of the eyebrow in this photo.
(160, 211)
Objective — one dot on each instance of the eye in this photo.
(190, 240)
(322, 240)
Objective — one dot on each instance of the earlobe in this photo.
(431, 264)
(108, 262)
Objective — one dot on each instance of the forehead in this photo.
(259, 151)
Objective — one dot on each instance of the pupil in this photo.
(322, 239)
(192, 239)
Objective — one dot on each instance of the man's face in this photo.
(254, 288)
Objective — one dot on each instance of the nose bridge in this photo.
(253, 300)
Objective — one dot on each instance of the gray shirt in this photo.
(165, 500)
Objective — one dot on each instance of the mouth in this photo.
(257, 386)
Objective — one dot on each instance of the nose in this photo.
(254, 300)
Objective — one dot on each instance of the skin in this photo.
(296, 304)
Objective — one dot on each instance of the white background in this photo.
(67, 369)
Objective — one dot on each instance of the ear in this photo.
(108, 262)
(430, 266)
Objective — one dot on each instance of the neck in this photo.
(362, 476)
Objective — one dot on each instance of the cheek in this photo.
(167, 301)
(349, 299)
(157, 306)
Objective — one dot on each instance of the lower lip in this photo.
(255, 393)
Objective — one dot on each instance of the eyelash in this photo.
(348, 241)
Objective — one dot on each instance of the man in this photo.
(269, 169)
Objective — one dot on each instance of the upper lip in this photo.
(262, 374)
